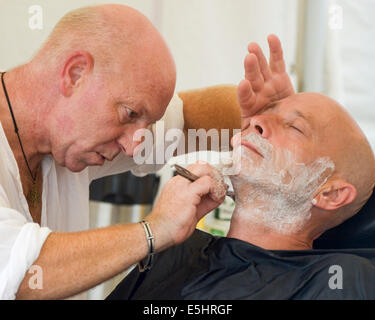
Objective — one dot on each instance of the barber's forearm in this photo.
(74, 262)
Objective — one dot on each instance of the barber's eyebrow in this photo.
(146, 111)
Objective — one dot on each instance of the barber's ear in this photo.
(336, 194)
(76, 67)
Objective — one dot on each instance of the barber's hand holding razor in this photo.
(183, 203)
(263, 83)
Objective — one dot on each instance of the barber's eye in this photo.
(130, 113)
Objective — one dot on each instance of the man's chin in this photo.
(76, 164)
(76, 167)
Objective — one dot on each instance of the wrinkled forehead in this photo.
(317, 110)
(322, 119)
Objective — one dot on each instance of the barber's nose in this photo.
(129, 147)
(130, 140)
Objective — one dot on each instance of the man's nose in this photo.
(130, 140)
(257, 124)
(260, 125)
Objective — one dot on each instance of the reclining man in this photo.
(304, 167)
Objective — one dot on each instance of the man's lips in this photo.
(251, 147)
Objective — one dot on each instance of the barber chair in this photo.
(356, 232)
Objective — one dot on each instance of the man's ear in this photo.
(335, 195)
(76, 67)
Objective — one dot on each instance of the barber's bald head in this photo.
(116, 37)
(107, 72)
(109, 32)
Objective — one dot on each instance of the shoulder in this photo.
(197, 240)
(342, 275)
(185, 254)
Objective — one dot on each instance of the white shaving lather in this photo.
(276, 190)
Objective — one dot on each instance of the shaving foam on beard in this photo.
(276, 191)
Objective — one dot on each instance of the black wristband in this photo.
(146, 264)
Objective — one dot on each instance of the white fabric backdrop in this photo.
(208, 38)
(351, 62)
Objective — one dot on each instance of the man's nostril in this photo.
(259, 129)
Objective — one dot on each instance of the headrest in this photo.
(356, 232)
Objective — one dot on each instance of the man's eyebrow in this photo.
(303, 116)
(300, 114)
(269, 106)
(275, 104)
(146, 112)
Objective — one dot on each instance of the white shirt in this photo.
(65, 203)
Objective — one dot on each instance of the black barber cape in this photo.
(209, 267)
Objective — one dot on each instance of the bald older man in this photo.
(68, 116)
(304, 168)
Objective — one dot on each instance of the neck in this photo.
(244, 228)
(28, 112)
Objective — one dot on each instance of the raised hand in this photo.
(263, 83)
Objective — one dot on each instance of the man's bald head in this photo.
(303, 159)
(116, 36)
(104, 29)
(349, 148)
(341, 139)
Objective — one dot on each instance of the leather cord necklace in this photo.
(33, 196)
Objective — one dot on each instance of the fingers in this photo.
(262, 61)
(211, 181)
(206, 205)
(257, 68)
(246, 97)
(277, 63)
(245, 123)
(202, 186)
(253, 73)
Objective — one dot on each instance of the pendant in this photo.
(33, 196)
